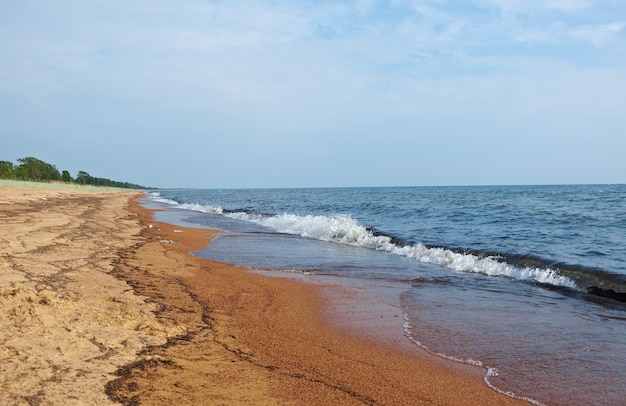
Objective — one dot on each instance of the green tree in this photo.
(6, 170)
(36, 170)
(84, 178)
(66, 177)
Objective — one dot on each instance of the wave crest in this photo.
(343, 229)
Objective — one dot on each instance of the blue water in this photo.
(528, 282)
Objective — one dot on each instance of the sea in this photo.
(526, 282)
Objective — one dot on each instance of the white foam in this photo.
(488, 266)
(343, 229)
(201, 208)
(156, 196)
(338, 228)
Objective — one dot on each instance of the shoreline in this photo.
(105, 309)
(271, 339)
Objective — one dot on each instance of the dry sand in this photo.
(97, 307)
(66, 323)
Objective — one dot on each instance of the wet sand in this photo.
(101, 304)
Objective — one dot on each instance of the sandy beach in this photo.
(100, 304)
(66, 323)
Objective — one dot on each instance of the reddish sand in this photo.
(260, 340)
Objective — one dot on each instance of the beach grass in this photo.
(57, 186)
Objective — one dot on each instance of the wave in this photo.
(343, 229)
(156, 196)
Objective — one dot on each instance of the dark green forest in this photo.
(36, 170)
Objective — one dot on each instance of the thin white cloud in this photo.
(534, 7)
(599, 35)
(571, 6)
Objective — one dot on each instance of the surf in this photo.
(343, 229)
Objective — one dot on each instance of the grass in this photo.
(57, 185)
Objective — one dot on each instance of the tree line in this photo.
(36, 170)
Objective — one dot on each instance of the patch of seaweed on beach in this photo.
(125, 389)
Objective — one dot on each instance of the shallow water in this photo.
(494, 276)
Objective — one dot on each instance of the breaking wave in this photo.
(343, 229)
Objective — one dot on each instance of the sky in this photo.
(267, 94)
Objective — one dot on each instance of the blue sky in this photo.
(231, 94)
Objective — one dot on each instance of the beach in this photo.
(66, 322)
(101, 304)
